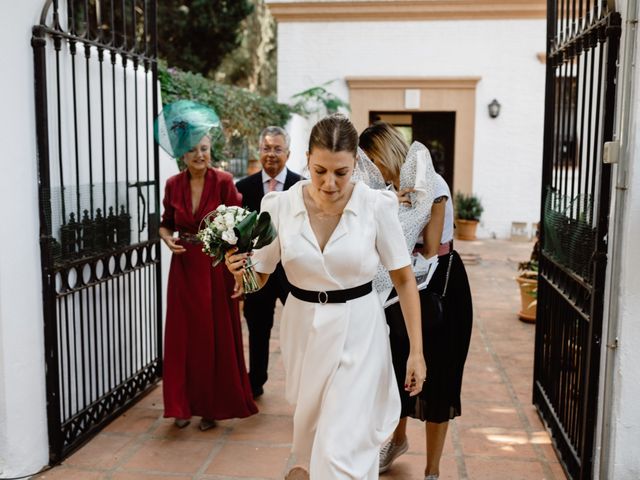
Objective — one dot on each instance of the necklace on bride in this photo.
(317, 212)
(320, 214)
(326, 216)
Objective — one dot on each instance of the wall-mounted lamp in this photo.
(494, 108)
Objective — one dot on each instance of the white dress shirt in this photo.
(280, 178)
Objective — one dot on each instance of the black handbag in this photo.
(431, 304)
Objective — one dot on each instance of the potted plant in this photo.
(528, 282)
(468, 212)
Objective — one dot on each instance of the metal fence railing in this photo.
(96, 98)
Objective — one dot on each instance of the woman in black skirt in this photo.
(445, 344)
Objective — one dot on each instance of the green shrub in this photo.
(468, 207)
(318, 99)
(243, 113)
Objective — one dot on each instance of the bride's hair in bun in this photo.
(334, 133)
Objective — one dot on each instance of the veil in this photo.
(417, 172)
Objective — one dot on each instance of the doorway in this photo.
(435, 130)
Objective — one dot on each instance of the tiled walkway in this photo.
(499, 435)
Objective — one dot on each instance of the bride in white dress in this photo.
(332, 235)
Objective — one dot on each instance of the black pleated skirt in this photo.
(445, 348)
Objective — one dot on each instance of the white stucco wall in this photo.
(23, 419)
(23, 422)
(623, 435)
(507, 150)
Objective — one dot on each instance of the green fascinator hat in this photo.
(182, 124)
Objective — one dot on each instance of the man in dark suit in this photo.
(260, 306)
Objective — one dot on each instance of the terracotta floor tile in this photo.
(481, 374)
(169, 456)
(274, 403)
(264, 428)
(135, 420)
(103, 452)
(525, 395)
(497, 442)
(250, 461)
(485, 393)
(152, 400)
(492, 469)
(167, 430)
(480, 357)
(558, 471)
(147, 476)
(549, 453)
(411, 467)
(531, 413)
(487, 415)
(275, 386)
(70, 473)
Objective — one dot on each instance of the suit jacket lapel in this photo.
(258, 189)
(290, 180)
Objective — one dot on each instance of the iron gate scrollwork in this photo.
(582, 50)
(96, 98)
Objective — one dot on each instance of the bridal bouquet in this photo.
(228, 227)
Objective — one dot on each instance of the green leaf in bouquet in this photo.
(264, 231)
(244, 232)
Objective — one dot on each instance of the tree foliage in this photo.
(196, 35)
(253, 64)
(318, 100)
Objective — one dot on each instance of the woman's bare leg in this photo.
(400, 433)
(436, 435)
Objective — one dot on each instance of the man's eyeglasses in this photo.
(276, 150)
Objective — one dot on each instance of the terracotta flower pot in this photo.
(466, 229)
(528, 298)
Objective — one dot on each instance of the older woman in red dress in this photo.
(204, 370)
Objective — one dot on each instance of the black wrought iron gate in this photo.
(583, 40)
(96, 98)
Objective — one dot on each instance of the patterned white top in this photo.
(417, 172)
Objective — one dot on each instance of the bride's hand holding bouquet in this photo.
(230, 234)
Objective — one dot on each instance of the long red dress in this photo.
(204, 370)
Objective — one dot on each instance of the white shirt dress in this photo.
(336, 356)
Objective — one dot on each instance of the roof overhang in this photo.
(402, 10)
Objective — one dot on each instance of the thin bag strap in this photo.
(446, 280)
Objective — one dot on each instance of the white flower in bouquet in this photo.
(219, 223)
(230, 219)
(229, 236)
(228, 227)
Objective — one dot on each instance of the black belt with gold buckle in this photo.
(331, 296)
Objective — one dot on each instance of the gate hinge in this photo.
(611, 152)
